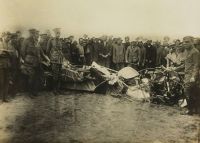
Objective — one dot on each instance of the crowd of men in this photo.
(21, 58)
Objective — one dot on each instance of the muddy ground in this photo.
(92, 118)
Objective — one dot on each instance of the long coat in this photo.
(95, 51)
(150, 55)
(118, 53)
(104, 54)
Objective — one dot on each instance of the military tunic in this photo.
(54, 50)
(31, 54)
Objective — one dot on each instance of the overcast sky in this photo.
(96, 17)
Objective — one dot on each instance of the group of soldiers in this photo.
(21, 58)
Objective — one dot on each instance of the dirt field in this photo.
(91, 118)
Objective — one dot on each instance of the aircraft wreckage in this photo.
(157, 85)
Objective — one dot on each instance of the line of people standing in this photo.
(113, 53)
(21, 58)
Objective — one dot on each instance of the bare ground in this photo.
(91, 118)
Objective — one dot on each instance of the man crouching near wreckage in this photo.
(191, 66)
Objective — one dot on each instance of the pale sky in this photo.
(97, 17)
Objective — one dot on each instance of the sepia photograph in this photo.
(99, 71)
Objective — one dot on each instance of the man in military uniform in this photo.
(191, 74)
(54, 50)
(15, 64)
(191, 68)
(5, 52)
(31, 54)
